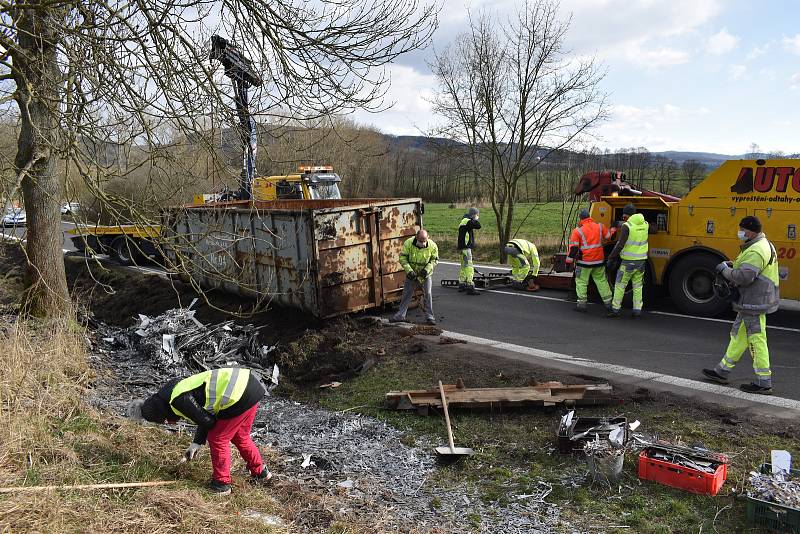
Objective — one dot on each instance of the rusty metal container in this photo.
(326, 257)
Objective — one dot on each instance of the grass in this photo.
(49, 435)
(543, 226)
(514, 453)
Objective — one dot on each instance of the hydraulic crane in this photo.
(240, 71)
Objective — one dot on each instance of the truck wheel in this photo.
(123, 251)
(691, 285)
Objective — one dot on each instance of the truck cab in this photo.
(310, 183)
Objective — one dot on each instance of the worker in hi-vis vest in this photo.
(630, 255)
(524, 260)
(223, 404)
(756, 277)
(586, 250)
(418, 258)
(466, 242)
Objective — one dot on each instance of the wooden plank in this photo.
(549, 394)
(121, 485)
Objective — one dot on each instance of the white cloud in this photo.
(759, 51)
(794, 81)
(792, 44)
(736, 72)
(654, 58)
(721, 42)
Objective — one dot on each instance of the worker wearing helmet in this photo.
(586, 250)
(466, 242)
(630, 253)
(418, 259)
(223, 404)
(524, 260)
(756, 275)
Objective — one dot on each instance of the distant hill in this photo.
(710, 159)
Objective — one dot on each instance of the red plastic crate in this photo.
(678, 476)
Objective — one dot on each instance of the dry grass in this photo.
(49, 435)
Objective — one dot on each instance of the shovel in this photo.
(452, 450)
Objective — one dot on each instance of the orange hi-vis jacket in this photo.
(588, 238)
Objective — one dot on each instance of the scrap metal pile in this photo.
(177, 344)
(775, 488)
(688, 457)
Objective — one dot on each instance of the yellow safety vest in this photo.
(636, 246)
(758, 254)
(519, 270)
(223, 388)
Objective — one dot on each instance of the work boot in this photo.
(755, 388)
(396, 319)
(608, 307)
(636, 315)
(462, 287)
(581, 307)
(219, 488)
(263, 478)
(613, 314)
(472, 291)
(534, 287)
(431, 321)
(712, 374)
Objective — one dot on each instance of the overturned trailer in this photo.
(326, 257)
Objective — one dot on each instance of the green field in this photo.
(544, 227)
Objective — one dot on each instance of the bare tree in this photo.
(693, 169)
(83, 74)
(512, 94)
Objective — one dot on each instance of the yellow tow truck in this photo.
(311, 182)
(691, 235)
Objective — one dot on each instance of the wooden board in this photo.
(547, 394)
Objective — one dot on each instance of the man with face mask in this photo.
(418, 259)
(755, 274)
(630, 255)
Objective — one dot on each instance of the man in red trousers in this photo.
(223, 404)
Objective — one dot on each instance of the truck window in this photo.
(323, 191)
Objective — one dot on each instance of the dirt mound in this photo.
(116, 296)
(341, 350)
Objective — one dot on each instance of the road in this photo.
(20, 232)
(664, 341)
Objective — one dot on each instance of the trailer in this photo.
(325, 257)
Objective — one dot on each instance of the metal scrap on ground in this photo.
(544, 394)
(178, 344)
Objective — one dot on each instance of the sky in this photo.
(689, 75)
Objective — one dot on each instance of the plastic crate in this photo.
(772, 516)
(680, 477)
(582, 424)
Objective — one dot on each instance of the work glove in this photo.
(424, 274)
(721, 267)
(191, 452)
(411, 275)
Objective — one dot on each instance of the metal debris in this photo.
(177, 344)
(690, 457)
(769, 487)
(605, 460)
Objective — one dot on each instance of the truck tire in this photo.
(123, 251)
(691, 285)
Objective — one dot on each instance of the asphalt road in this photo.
(663, 341)
(20, 232)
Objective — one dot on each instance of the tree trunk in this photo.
(38, 91)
